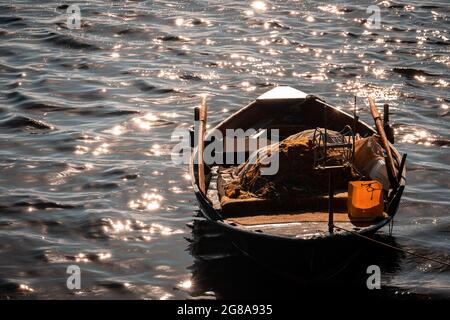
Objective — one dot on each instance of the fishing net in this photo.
(296, 175)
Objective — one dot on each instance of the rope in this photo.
(393, 247)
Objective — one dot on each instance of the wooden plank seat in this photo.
(244, 148)
(301, 217)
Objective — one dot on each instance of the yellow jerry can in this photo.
(365, 199)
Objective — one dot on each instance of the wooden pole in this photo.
(384, 141)
(201, 144)
(387, 127)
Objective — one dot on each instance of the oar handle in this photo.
(374, 110)
(203, 110)
(202, 115)
(384, 141)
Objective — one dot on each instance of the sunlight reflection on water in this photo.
(86, 119)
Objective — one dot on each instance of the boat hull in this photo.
(323, 255)
(318, 258)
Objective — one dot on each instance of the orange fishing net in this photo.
(296, 174)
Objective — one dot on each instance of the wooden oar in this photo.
(384, 141)
(201, 144)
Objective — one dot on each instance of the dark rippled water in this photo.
(86, 117)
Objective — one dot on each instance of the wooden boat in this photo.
(301, 237)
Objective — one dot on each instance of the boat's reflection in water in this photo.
(220, 269)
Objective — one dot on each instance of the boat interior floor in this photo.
(289, 217)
